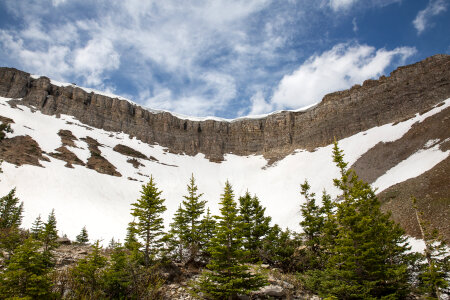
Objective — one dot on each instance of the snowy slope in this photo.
(81, 196)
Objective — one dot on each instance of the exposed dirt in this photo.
(432, 191)
(384, 156)
(67, 138)
(135, 163)
(96, 161)
(6, 120)
(127, 151)
(68, 156)
(21, 150)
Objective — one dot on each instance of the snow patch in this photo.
(415, 165)
(82, 196)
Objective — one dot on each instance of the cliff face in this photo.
(405, 92)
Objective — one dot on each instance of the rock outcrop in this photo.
(406, 91)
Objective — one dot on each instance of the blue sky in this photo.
(222, 58)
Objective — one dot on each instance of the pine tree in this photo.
(437, 267)
(185, 237)
(191, 212)
(227, 275)
(26, 275)
(131, 241)
(10, 221)
(279, 248)
(149, 223)
(113, 244)
(37, 228)
(83, 237)
(87, 275)
(207, 229)
(255, 225)
(116, 277)
(319, 229)
(368, 259)
(50, 233)
(175, 240)
(10, 211)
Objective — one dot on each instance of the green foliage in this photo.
(185, 238)
(26, 275)
(116, 277)
(37, 228)
(87, 275)
(10, 211)
(368, 257)
(10, 220)
(279, 249)
(191, 212)
(207, 229)
(50, 233)
(83, 237)
(319, 229)
(131, 241)
(149, 223)
(175, 240)
(227, 276)
(255, 225)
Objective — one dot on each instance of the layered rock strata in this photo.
(406, 91)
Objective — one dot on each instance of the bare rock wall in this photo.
(406, 91)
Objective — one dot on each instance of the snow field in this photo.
(81, 196)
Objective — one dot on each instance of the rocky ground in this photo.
(179, 279)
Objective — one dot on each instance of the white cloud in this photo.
(41, 62)
(259, 104)
(94, 59)
(341, 4)
(192, 57)
(337, 69)
(212, 94)
(58, 2)
(355, 25)
(434, 8)
(345, 5)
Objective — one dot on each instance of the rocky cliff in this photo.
(405, 92)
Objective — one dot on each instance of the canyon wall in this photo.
(408, 90)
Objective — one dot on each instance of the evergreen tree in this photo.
(131, 241)
(26, 275)
(433, 274)
(319, 229)
(255, 225)
(368, 259)
(149, 223)
(87, 275)
(10, 220)
(83, 237)
(10, 211)
(207, 228)
(279, 249)
(50, 233)
(191, 212)
(113, 244)
(116, 277)
(175, 240)
(227, 275)
(37, 228)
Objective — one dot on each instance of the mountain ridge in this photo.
(61, 156)
(407, 90)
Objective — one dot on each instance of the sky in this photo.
(223, 58)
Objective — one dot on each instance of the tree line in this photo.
(348, 249)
